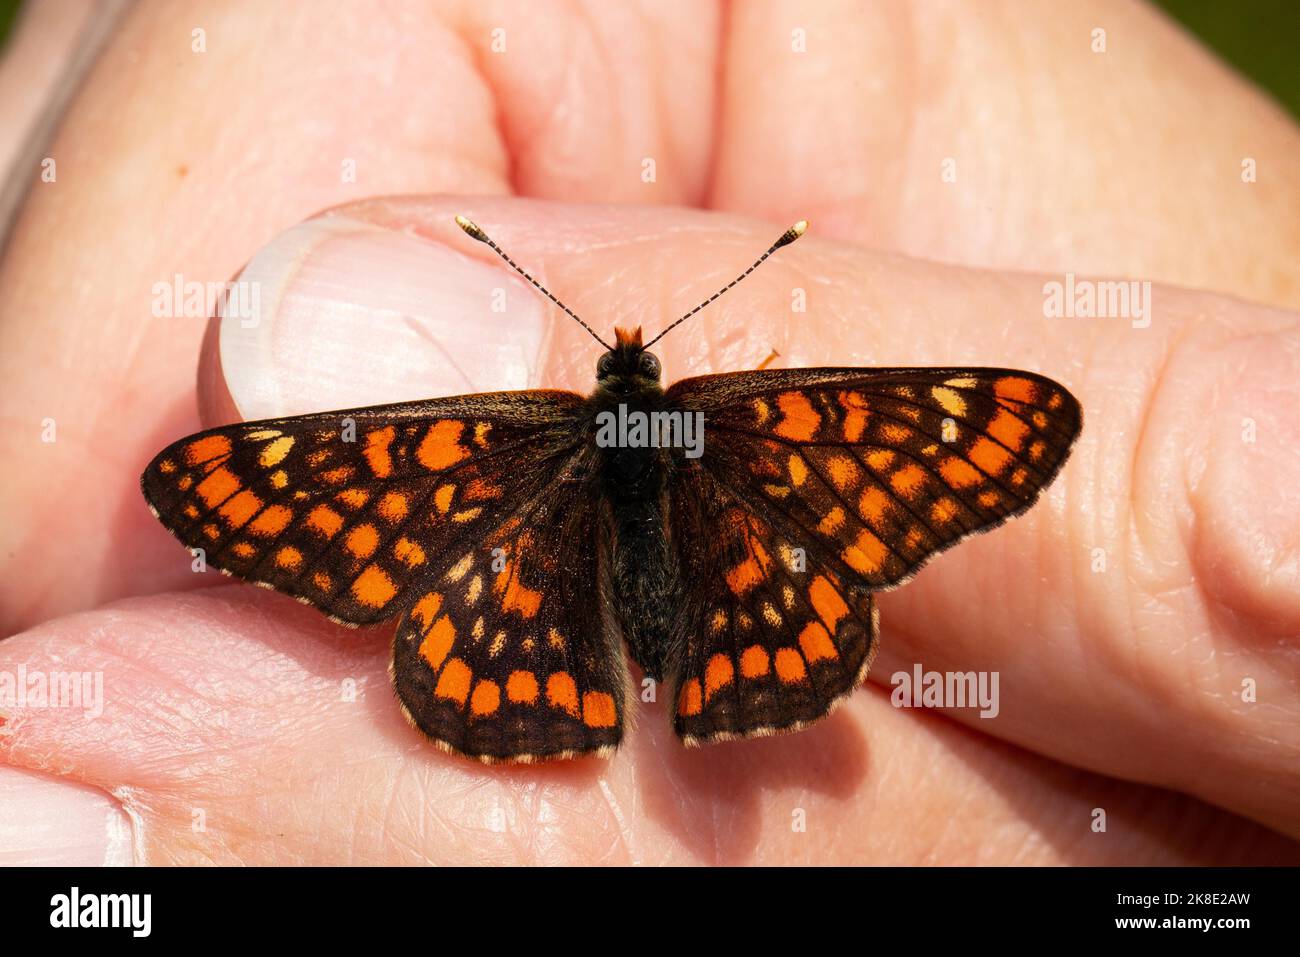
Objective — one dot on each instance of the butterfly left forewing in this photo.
(346, 510)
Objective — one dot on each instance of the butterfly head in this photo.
(627, 366)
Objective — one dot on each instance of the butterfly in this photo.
(730, 531)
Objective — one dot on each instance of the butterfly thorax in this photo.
(643, 578)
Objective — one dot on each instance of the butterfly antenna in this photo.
(787, 237)
(474, 232)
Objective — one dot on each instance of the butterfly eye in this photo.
(605, 366)
(649, 365)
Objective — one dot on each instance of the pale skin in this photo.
(1121, 688)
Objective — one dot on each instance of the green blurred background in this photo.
(1261, 38)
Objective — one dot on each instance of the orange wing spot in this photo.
(376, 451)
(895, 434)
(438, 641)
(1036, 450)
(486, 698)
(185, 482)
(454, 681)
(467, 515)
(167, 466)
(339, 475)
(816, 642)
(373, 588)
(752, 570)
(762, 411)
(273, 453)
(426, 608)
(191, 511)
(915, 536)
(325, 520)
(288, 558)
(908, 480)
(1008, 429)
(988, 455)
(844, 472)
(832, 522)
(855, 415)
(217, 487)
(562, 693)
(481, 490)
(874, 504)
(1055, 402)
(826, 601)
(1016, 389)
(1040, 420)
(393, 507)
(866, 555)
(799, 420)
(521, 687)
(719, 673)
(691, 701)
(207, 449)
(958, 473)
(322, 581)
(789, 666)
(990, 499)
(409, 552)
(441, 446)
(942, 511)
(798, 471)
(279, 479)
(598, 710)
(362, 540)
(754, 662)
(240, 508)
(1018, 477)
(880, 459)
(212, 531)
(442, 498)
(273, 520)
(481, 431)
(353, 497)
(244, 550)
(515, 596)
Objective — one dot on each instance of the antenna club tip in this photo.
(791, 234)
(471, 228)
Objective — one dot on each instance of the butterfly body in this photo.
(526, 546)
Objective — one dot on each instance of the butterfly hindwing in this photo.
(819, 486)
(773, 642)
(505, 655)
(347, 510)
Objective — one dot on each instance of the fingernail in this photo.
(46, 822)
(337, 313)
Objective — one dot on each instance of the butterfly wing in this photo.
(471, 517)
(345, 510)
(857, 477)
(506, 654)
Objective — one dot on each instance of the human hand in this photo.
(1120, 686)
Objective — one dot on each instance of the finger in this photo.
(101, 323)
(281, 745)
(1137, 600)
(1013, 136)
